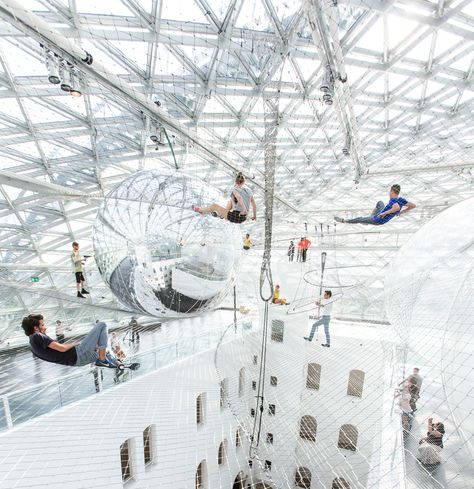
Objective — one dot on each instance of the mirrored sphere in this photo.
(158, 256)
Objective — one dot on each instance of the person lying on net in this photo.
(383, 213)
(241, 198)
(92, 349)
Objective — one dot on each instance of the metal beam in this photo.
(34, 185)
(32, 25)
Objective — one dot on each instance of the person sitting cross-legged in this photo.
(92, 349)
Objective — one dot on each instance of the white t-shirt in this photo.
(246, 195)
(327, 305)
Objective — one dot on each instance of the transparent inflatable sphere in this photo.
(158, 256)
(430, 304)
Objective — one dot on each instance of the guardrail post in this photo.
(8, 414)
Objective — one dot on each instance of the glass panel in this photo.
(3, 419)
(29, 404)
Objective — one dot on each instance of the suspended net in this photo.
(175, 89)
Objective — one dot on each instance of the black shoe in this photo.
(84, 291)
(80, 295)
(306, 338)
(325, 344)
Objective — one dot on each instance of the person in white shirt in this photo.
(241, 199)
(326, 304)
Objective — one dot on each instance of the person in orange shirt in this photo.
(305, 243)
(299, 256)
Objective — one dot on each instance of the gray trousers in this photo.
(368, 220)
(314, 329)
(97, 338)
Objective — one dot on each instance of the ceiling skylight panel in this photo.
(183, 10)
(254, 16)
(372, 39)
(19, 62)
(134, 51)
(109, 7)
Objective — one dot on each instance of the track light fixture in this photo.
(75, 77)
(65, 76)
(52, 64)
(327, 86)
(62, 73)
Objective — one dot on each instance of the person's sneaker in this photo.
(102, 363)
(84, 291)
(80, 295)
(325, 344)
(195, 208)
(338, 219)
(306, 338)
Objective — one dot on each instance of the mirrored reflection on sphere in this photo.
(158, 256)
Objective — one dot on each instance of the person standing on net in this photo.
(60, 332)
(299, 256)
(383, 213)
(78, 266)
(418, 379)
(305, 245)
(291, 251)
(326, 304)
(247, 242)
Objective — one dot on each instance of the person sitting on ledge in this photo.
(92, 349)
(276, 297)
(383, 213)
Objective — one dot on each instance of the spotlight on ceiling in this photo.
(65, 76)
(327, 99)
(52, 63)
(75, 82)
(327, 83)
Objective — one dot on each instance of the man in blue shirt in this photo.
(383, 213)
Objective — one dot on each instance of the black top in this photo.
(39, 344)
(436, 440)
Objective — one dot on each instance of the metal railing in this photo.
(22, 405)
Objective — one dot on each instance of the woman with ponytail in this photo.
(241, 198)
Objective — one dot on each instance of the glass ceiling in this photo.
(407, 108)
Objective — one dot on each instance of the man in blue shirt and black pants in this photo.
(383, 213)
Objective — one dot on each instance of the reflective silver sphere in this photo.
(158, 256)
